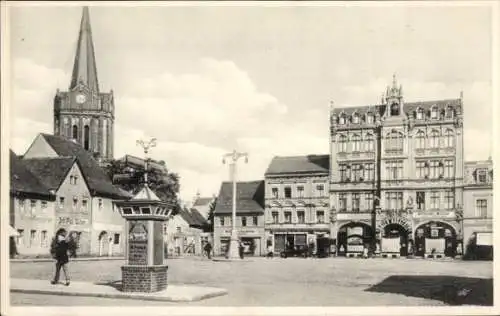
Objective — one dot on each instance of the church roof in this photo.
(96, 177)
(249, 197)
(314, 164)
(84, 67)
(50, 171)
(22, 180)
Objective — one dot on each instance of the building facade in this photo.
(186, 233)
(249, 218)
(478, 208)
(84, 113)
(296, 201)
(397, 167)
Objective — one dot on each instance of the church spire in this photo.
(84, 68)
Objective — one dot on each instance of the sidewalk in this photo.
(173, 293)
(71, 259)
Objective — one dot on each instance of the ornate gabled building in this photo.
(397, 166)
(84, 113)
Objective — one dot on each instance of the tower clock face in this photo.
(80, 98)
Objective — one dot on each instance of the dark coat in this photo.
(61, 253)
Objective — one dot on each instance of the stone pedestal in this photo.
(144, 278)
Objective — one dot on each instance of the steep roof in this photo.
(314, 164)
(22, 180)
(96, 177)
(198, 217)
(408, 107)
(202, 201)
(249, 197)
(50, 171)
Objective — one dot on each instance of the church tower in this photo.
(83, 113)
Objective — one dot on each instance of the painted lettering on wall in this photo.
(66, 221)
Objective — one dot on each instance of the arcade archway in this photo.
(104, 244)
(437, 238)
(353, 237)
(395, 239)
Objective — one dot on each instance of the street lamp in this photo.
(146, 146)
(233, 159)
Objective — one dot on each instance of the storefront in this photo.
(353, 237)
(435, 238)
(252, 240)
(284, 240)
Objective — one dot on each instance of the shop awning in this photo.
(13, 232)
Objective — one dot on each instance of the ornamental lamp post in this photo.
(233, 159)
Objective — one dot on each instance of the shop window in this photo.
(288, 192)
(116, 239)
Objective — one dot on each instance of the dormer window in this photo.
(355, 118)
(482, 175)
(369, 118)
(394, 109)
(342, 119)
(420, 114)
(449, 112)
(434, 113)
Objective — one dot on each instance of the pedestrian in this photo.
(208, 250)
(365, 252)
(13, 247)
(241, 249)
(59, 251)
(270, 252)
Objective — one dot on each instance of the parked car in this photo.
(297, 251)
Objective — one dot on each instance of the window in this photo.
(222, 221)
(394, 200)
(84, 205)
(243, 221)
(61, 201)
(342, 202)
(369, 172)
(448, 138)
(75, 132)
(301, 217)
(355, 202)
(434, 169)
(420, 114)
(420, 200)
(370, 143)
(369, 118)
(449, 112)
(434, 113)
(178, 229)
(86, 137)
(482, 175)
(300, 191)
(481, 208)
(369, 201)
(434, 200)
(434, 139)
(288, 217)
(255, 221)
(420, 140)
(22, 205)
(99, 204)
(44, 205)
(356, 143)
(394, 169)
(32, 237)
(449, 199)
(33, 207)
(357, 173)
(75, 178)
(343, 173)
(288, 192)
(449, 168)
(394, 142)
(342, 119)
(355, 118)
(229, 221)
(420, 168)
(20, 237)
(342, 144)
(320, 217)
(75, 202)
(116, 239)
(44, 239)
(320, 189)
(394, 109)
(275, 216)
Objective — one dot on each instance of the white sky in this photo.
(206, 80)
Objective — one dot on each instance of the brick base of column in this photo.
(146, 279)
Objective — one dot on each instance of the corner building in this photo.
(397, 167)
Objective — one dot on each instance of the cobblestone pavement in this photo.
(285, 282)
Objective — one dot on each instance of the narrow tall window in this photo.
(448, 138)
(355, 202)
(356, 143)
(449, 199)
(394, 142)
(434, 200)
(255, 220)
(44, 239)
(420, 140)
(320, 190)
(343, 173)
(342, 202)
(342, 144)
(481, 208)
(288, 217)
(320, 217)
(370, 143)
(369, 172)
(275, 216)
(434, 139)
(434, 169)
(420, 114)
(434, 113)
(449, 169)
(355, 118)
(300, 191)
(301, 217)
(449, 112)
(75, 132)
(221, 221)
(288, 192)
(243, 221)
(369, 201)
(421, 169)
(421, 200)
(86, 137)
(32, 237)
(369, 118)
(274, 192)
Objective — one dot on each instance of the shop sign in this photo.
(242, 231)
(484, 239)
(70, 221)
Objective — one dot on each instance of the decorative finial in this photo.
(394, 80)
(461, 95)
(146, 146)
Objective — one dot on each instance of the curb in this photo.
(74, 260)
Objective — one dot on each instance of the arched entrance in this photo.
(437, 238)
(353, 237)
(395, 239)
(104, 244)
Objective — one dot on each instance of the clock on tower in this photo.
(80, 98)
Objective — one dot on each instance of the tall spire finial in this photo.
(394, 82)
(84, 67)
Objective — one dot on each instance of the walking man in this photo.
(59, 251)
(208, 250)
